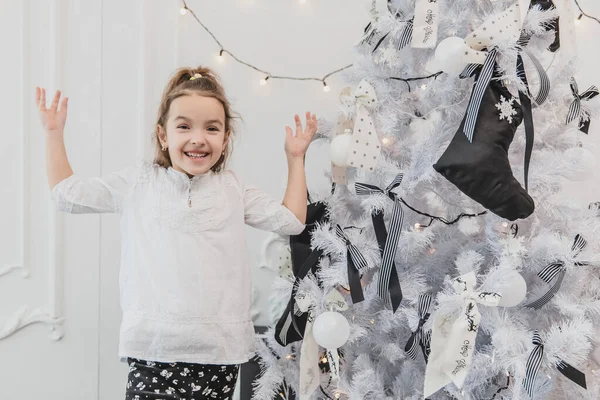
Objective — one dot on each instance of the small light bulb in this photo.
(324, 360)
(337, 395)
(183, 11)
(326, 88)
(505, 224)
(385, 140)
(578, 20)
(423, 87)
(263, 81)
(289, 356)
(417, 226)
(220, 56)
(372, 321)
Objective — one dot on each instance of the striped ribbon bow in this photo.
(407, 34)
(418, 337)
(481, 85)
(558, 269)
(575, 107)
(356, 263)
(388, 244)
(534, 362)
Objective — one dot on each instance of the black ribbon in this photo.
(527, 118)
(534, 362)
(289, 314)
(575, 107)
(388, 244)
(572, 373)
(356, 263)
(557, 269)
(418, 336)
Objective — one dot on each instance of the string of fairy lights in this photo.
(185, 9)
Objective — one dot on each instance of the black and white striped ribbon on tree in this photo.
(575, 110)
(407, 34)
(356, 265)
(534, 363)
(481, 84)
(389, 285)
(558, 269)
(418, 337)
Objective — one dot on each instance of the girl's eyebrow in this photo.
(182, 117)
(214, 121)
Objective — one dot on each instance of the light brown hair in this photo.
(208, 85)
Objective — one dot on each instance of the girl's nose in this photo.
(198, 139)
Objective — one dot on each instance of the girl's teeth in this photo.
(196, 155)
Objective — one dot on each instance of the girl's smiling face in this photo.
(194, 134)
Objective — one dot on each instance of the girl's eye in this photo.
(213, 129)
(182, 127)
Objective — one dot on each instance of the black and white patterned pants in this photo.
(150, 380)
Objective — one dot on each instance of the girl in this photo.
(185, 285)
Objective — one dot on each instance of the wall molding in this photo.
(51, 314)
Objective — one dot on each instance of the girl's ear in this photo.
(226, 140)
(162, 135)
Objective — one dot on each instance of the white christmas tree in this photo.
(474, 279)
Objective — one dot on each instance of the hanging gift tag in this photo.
(425, 24)
(372, 35)
(336, 302)
(453, 339)
(334, 364)
(566, 21)
(381, 8)
(309, 352)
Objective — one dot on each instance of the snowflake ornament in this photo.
(506, 109)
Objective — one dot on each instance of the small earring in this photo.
(164, 148)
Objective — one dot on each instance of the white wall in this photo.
(112, 57)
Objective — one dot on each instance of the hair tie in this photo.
(196, 76)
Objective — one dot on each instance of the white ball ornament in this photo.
(450, 55)
(584, 163)
(331, 330)
(338, 150)
(515, 292)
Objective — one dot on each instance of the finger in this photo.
(43, 100)
(55, 101)
(308, 123)
(64, 104)
(288, 132)
(298, 125)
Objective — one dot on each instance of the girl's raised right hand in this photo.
(53, 118)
